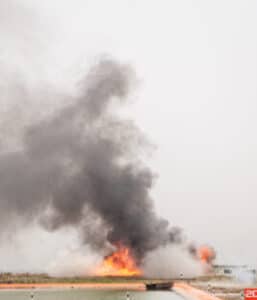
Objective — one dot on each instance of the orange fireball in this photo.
(120, 263)
(206, 254)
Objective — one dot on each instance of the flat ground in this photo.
(222, 287)
(116, 286)
(30, 281)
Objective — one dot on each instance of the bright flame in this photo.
(119, 263)
(206, 254)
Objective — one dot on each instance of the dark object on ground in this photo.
(159, 286)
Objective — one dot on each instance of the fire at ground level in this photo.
(122, 261)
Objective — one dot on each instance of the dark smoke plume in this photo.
(81, 168)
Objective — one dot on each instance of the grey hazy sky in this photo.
(196, 101)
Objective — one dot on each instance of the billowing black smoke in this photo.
(81, 168)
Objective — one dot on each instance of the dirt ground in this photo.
(130, 285)
(226, 288)
(207, 288)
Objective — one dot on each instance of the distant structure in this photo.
(243, 273)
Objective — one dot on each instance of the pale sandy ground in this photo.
(225, 289)
(186, 290)
(125, 286)
(192, 293)
(196, 290)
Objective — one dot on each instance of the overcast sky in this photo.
(196, 100)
